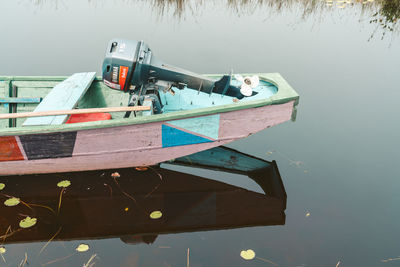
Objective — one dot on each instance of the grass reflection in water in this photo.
(384, 13)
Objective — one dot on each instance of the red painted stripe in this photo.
(9, 150)
(76, 118)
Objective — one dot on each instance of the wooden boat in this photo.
(98, 206)
(191, 121)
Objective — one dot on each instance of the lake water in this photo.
(338, 161)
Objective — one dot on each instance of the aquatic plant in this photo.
(27, 222)
(248, 254)
(12, 201)
(63, 184)
(82, 247)
(387, 17)
(156, 214)
(385, 13)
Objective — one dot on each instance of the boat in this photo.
(102, 205)
(191, 121)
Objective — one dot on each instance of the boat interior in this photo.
(33, 94)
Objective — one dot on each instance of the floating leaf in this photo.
(156, 214)
(27, 222)
(248, 254)
(115, 175)
(270, 152)
(2, 250)
(13, 201)
(141, 169)
(2, 186)
(64, 183)
(82, 247)
(391, 259)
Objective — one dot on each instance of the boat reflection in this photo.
(106, 204)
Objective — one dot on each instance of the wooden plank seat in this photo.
(63, 96)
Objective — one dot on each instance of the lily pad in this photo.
(82, 247)
(2, 250)
(64, 183)
(115, 175)
(27, 222)
(248, 254)
(2, 186)
(13, 201)
(156, 214)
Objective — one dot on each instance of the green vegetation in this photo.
(387, 16)
(384, 13)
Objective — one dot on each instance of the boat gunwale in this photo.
(284, 95)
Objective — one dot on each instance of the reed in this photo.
(385, 14)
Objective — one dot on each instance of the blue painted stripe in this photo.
(175, 137)
(207, 125)
(20, 100)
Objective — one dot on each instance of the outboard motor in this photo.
(131, 65)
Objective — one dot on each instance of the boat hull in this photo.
(133, 145)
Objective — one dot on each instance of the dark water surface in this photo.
(338, 161)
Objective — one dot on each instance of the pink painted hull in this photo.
(144, 144)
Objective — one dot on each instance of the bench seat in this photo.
(63, 96)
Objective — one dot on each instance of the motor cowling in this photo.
(123, 63)
(130, 64)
